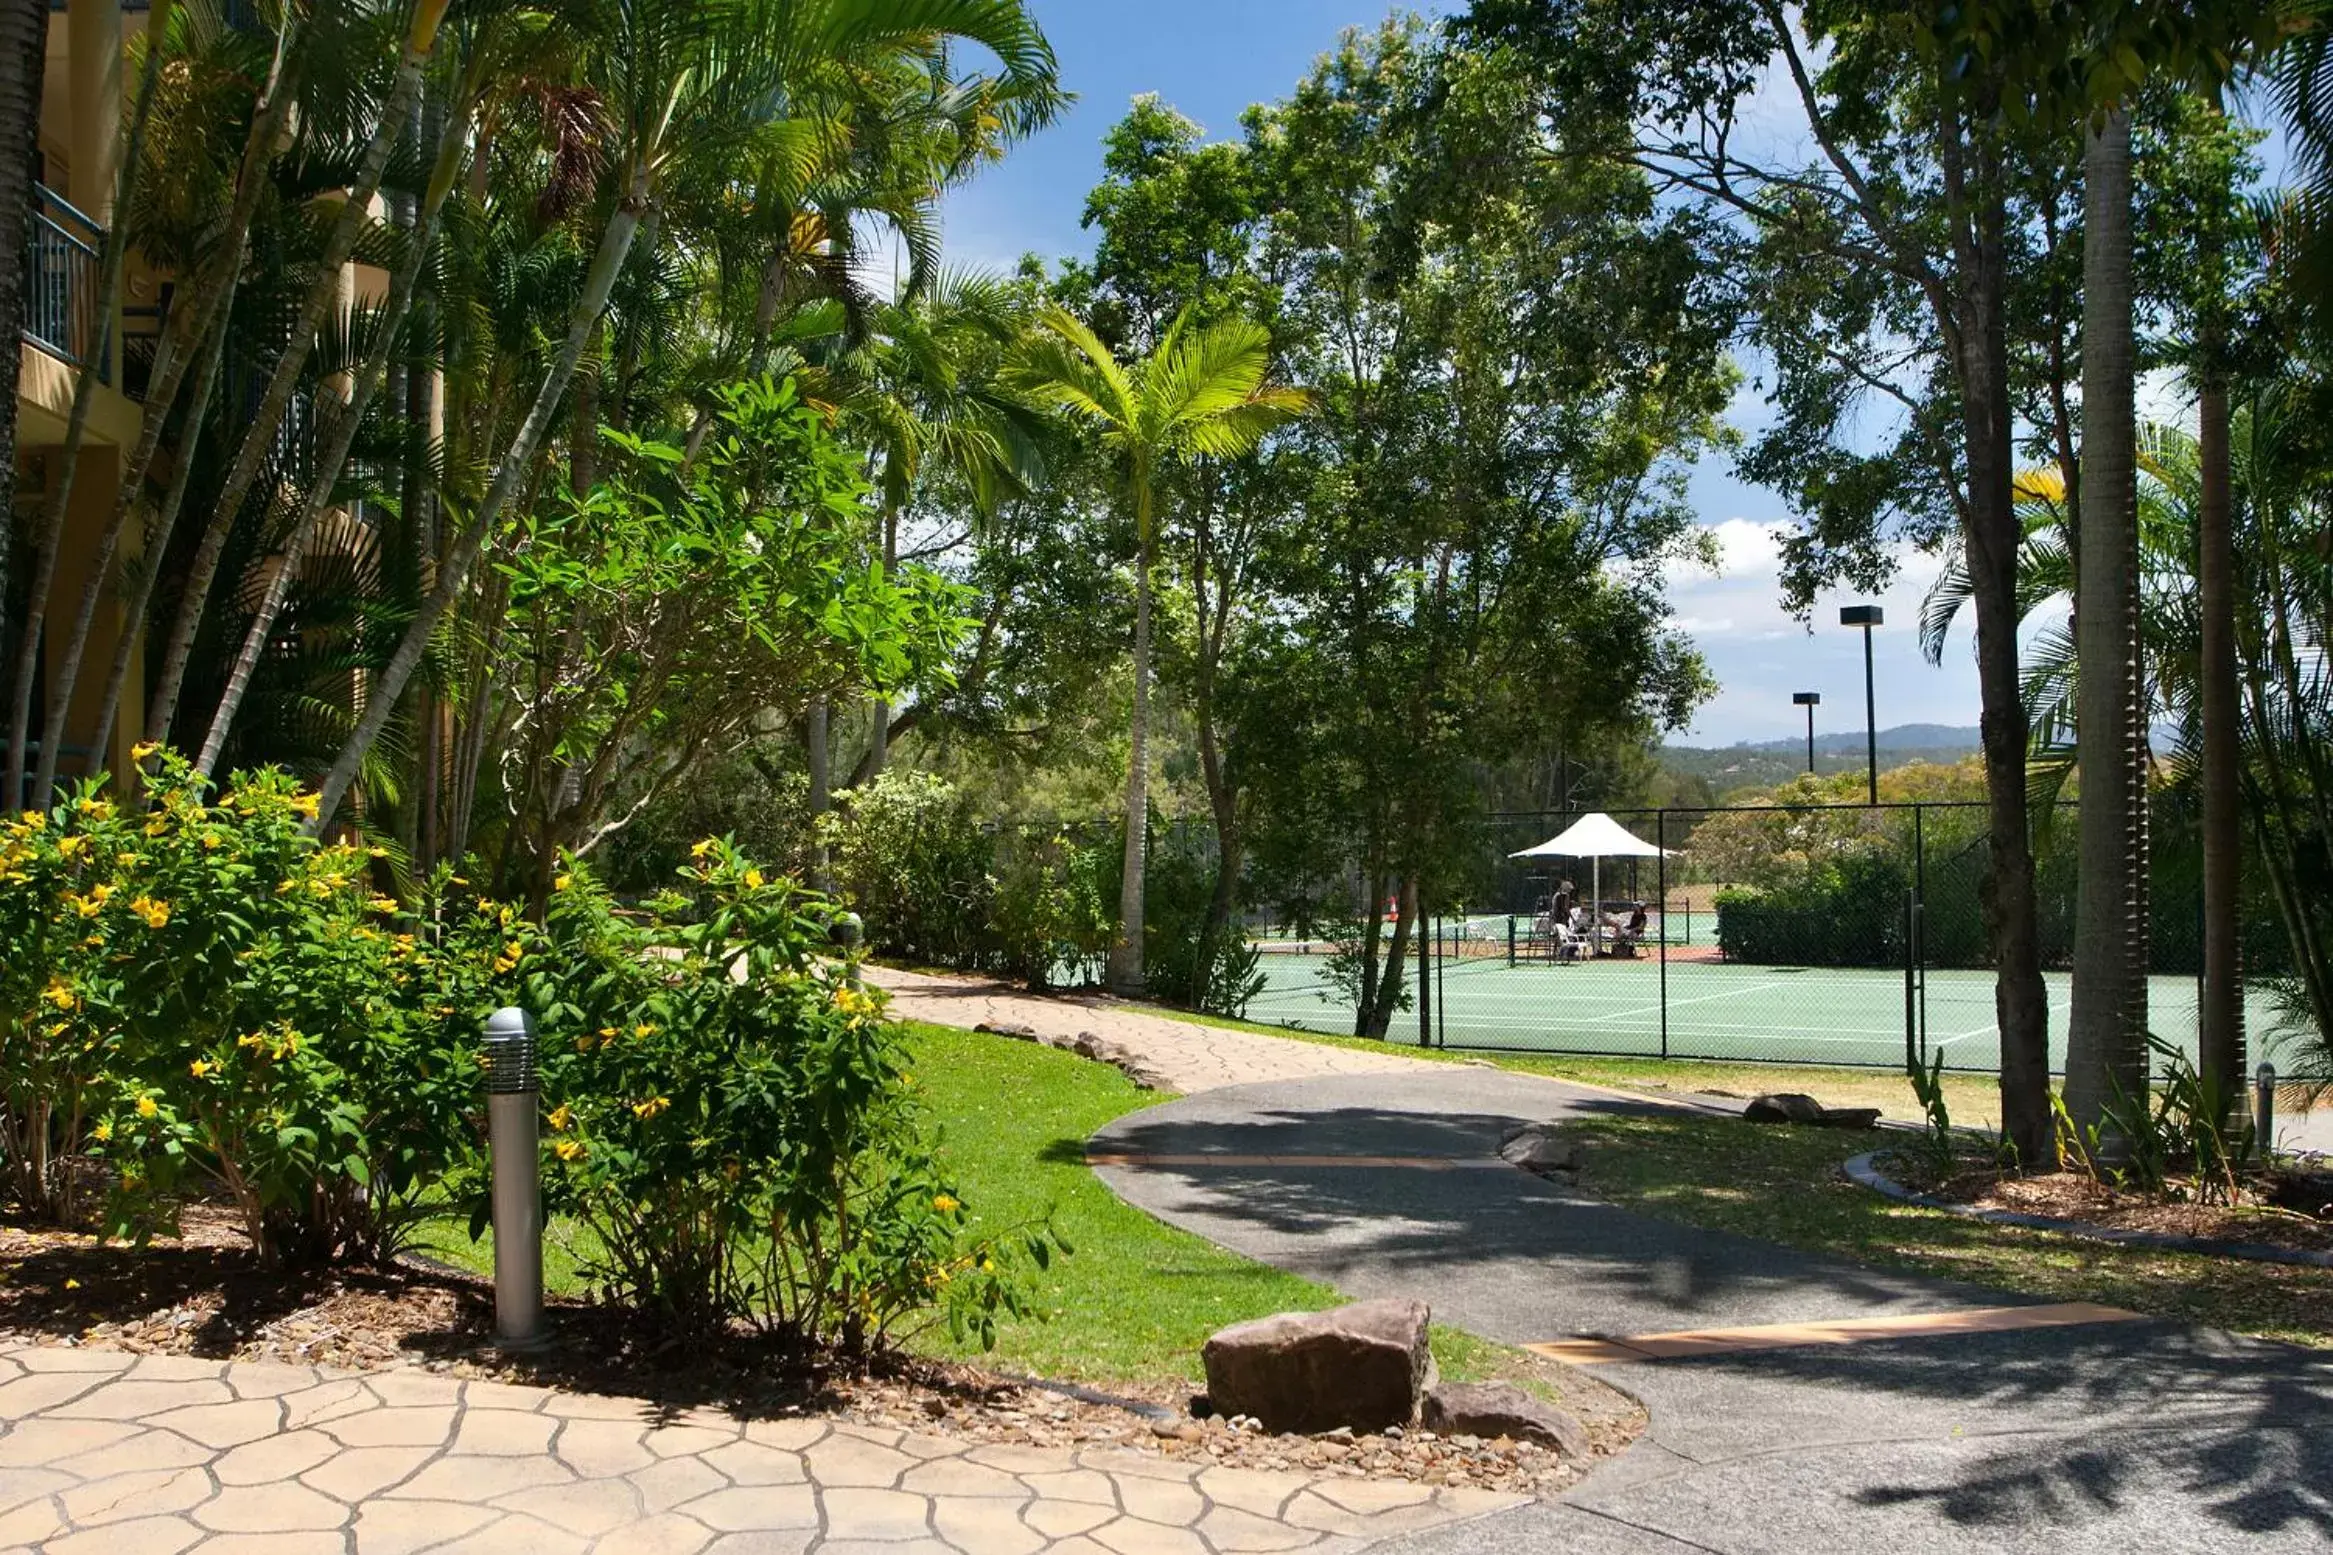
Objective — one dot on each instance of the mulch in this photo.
(202, 1294)
(2252, 1218)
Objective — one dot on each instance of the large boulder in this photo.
(1362, 1366)
(1542, 1148)
(1784, 1107)
(1495, 1409)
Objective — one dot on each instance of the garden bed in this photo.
(2251, 1220)
(202, 1294)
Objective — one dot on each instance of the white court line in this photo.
(1992, 1027)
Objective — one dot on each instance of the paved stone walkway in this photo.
(155, 1455)
(1188, 1056)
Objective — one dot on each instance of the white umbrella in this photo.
(1595, 838)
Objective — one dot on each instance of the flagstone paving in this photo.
(104, 1451)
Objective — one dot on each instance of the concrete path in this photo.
(106, 1452)
(1186, 1055)
(2102, 1435)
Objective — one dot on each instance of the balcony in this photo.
(61, 281)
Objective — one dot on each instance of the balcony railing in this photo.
(60, 301)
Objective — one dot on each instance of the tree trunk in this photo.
(275, 402)
(1123, 968)
(2012, 915)
(24, 34)
(614, 244)
(117, 674)
(1388, 1001)
(818, 755)
(333, 457)
(2106, 1039)
(2219, 708)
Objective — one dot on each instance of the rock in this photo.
(1541, 1149)
(1363, 1365)
(1849, 1117)
(1494, 1409)
(1785, 1107)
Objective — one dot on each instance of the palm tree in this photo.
(924, 394)
(685, 87)
(2106, 1034)
(1201, 392)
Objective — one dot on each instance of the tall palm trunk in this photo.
(1123, 968)
(164, 523)
(381, 697)
(2219, 706)
(275, 402)
(24, 33)
(371, 375)
(2106, 1047)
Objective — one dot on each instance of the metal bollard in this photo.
(514, 1142)
(2264, 1110)
(845, 934)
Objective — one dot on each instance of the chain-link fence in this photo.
(1798, 934)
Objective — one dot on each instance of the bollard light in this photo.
(845, 934)
(514, 1143)
(2264, 1110)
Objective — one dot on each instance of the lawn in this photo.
(1137, 1298)
(1784, 1185)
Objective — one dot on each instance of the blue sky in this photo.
(1211, 59)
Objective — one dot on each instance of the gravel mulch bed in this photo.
(200, 1294)
(2075, 1196)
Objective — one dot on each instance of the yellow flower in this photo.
(102, 1133)
(146, 1107)
(251, 1039)
(569, 1150)
(60, 993)
(988, 1266)
(563, 882)
(643, 1030)
(201, 1067)
(644, 1110)
(753, 880)
(946, 1204)
(211, 840)
(143, 749)
(509, 957)
(382, 903)
(155, 913)
(560, 1118)
(700, 849)
(306, 804)
(68, 846)
(72, 1285)
(157, 826)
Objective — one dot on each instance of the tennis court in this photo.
(1702, 1009)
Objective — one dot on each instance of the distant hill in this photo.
(1767, 762)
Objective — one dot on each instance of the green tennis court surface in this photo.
(1714, 1010)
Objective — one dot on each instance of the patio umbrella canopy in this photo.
(1595, 838)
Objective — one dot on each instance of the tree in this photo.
(1201, 392)
(684, 87)
(1875, 269)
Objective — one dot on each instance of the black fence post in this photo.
(1661, 874)
(1425, 978)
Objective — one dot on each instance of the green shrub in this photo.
(270, 1032)
(1051, 918)
(907, 854)
(733, 1127)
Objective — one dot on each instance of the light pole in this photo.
(1867, 617)
(1810, 700)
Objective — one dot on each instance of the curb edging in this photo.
(1864, 1171)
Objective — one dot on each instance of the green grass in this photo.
(1783, 1185)
(1137, 1298)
